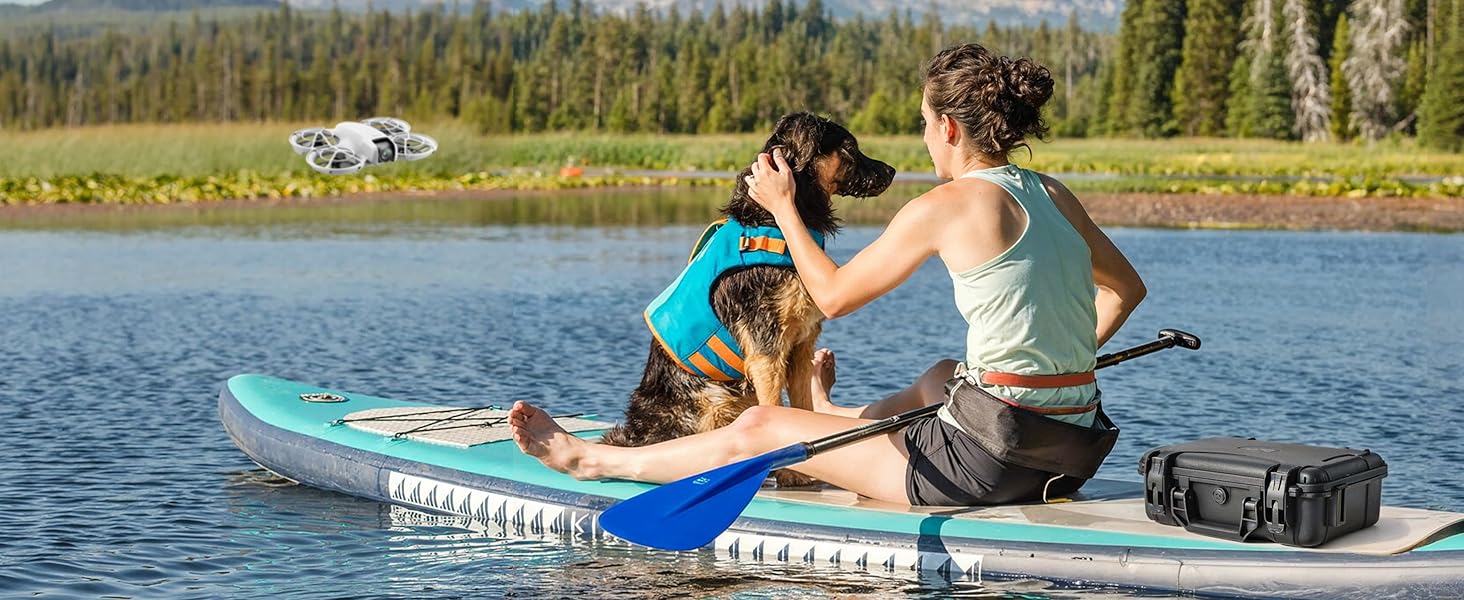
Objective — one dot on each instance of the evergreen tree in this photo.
(1161, 27)
(1414, 76)
(620, 119)
(489, 114)
(531, 99)
(1210, 47)
(1238, 105)
(1119, 119)
(1341, 95)
(1441, 114)
(1104, 86)
(875, 115)
(719, 117)
(1260, 50)
(1269, 114)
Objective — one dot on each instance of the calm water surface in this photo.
(118, 330)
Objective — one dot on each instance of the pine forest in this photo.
(1284, 69)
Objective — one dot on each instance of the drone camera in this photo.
(385, 150)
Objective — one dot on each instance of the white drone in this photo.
(351, 146)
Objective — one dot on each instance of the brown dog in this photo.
(765, 308)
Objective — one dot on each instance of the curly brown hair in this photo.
(997, 100)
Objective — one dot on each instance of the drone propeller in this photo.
(309, 139)
(333, 160)
(389, 125)
(414, 146)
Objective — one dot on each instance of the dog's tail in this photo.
(617, 436)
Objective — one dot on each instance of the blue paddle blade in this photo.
(689, 513)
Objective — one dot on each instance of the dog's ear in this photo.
(800, 135)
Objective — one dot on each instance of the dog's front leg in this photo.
(799, 369)
(768, 378)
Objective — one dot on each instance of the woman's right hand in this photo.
(772, 188)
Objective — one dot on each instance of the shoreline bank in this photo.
(1198, 211)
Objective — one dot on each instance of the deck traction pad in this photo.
(459, 427)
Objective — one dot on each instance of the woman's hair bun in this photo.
(1029, 81)
(996, 99)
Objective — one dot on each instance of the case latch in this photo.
(1155, 489)
(1276, 499)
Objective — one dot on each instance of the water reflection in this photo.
(383, 214)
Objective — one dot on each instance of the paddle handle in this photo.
(1168, 338)
(884, 425)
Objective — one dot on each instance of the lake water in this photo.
(117, 331)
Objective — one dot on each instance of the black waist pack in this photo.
(1015, 436)
(1247, 490)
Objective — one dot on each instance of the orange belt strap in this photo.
(1037, 381)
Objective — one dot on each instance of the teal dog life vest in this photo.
(681, 317)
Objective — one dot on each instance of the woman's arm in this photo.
(1120, 289)
(878, 268)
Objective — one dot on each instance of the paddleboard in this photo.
(460, 461)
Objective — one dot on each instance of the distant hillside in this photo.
(1094, 14)
(71, 19)
(76, 6)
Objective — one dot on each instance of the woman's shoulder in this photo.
(1055, 188)
(1065, 200)
(961, 202)
(960, 191)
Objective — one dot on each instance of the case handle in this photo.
(1241, 531)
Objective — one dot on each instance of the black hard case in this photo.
(1247, 490)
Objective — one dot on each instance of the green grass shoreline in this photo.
(168, 164)
(105, 189)
(247, 185)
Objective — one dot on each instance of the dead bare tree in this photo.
(1374, 67)
(1311, 99)
(1260, 37)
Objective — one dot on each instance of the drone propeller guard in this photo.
(414, 146)
(391, 126)
(306, 140)
(334, 160)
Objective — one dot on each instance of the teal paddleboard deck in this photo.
(461, 462)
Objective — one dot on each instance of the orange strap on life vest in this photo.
(764, 243)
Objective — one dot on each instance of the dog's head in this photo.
(826, 161)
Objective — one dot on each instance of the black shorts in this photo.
(948, 468)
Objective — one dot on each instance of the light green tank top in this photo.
(1031, 309)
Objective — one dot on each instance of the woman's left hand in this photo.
(772, 187)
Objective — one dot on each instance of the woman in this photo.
(1025, 259)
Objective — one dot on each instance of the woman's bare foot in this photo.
(539, 436)
(822, 380)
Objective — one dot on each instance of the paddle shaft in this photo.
(1168, 338)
